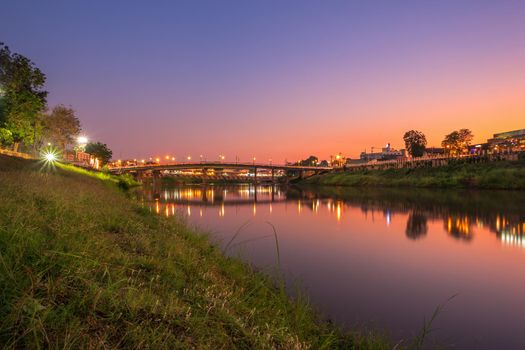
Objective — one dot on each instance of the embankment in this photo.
(493, 175)
(82, 265)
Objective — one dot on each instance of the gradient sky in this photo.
(275, 79)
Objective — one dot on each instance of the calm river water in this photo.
(379, 258)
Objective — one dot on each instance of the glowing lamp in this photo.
(82, 140)
(50, 157)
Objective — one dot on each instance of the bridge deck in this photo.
(216, 165)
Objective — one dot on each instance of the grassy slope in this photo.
(82, 265)
(497, 175)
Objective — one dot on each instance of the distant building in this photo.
(434, 151)
(387, 153)
(509, 141)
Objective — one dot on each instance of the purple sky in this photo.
(275, 79)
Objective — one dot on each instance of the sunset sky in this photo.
(275, 79)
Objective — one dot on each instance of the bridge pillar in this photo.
(273, 175)
(255, 176)
(156, 178)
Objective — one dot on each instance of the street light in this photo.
(189, 158)
(82, 140)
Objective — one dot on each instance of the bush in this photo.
(6, 137)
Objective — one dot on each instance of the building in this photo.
(434, 151)
(387, 153)
(509, 141)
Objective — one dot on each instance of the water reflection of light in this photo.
(167, 211)
(388, 216)
(221, 210)
(271, 208)
(460, 226)
(338, 210)
(512, 239)
(254, 209)
(200, 212)
(189, 210)
(157, 206)
(299, 208)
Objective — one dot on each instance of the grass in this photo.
(82, 265)
(495, 175)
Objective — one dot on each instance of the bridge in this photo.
(205, 167)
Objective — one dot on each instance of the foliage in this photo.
(415, 143)
(312, 160)
(61, 126)
(6, 137)
(100, 151)
(2, 107)
(457, 142)
(84, 266)
(24, 98)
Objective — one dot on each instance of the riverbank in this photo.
(494, 175)
(85, 266)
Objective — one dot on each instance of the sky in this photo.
(277, 80)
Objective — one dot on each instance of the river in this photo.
(380, 259)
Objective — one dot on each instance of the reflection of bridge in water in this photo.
(460, 212)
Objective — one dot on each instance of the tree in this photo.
(61, 126)
(310, 161)
(21, 84)
(416, 226)
(100, 151)
(465, 137)
(415, 143)
(457, 141)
